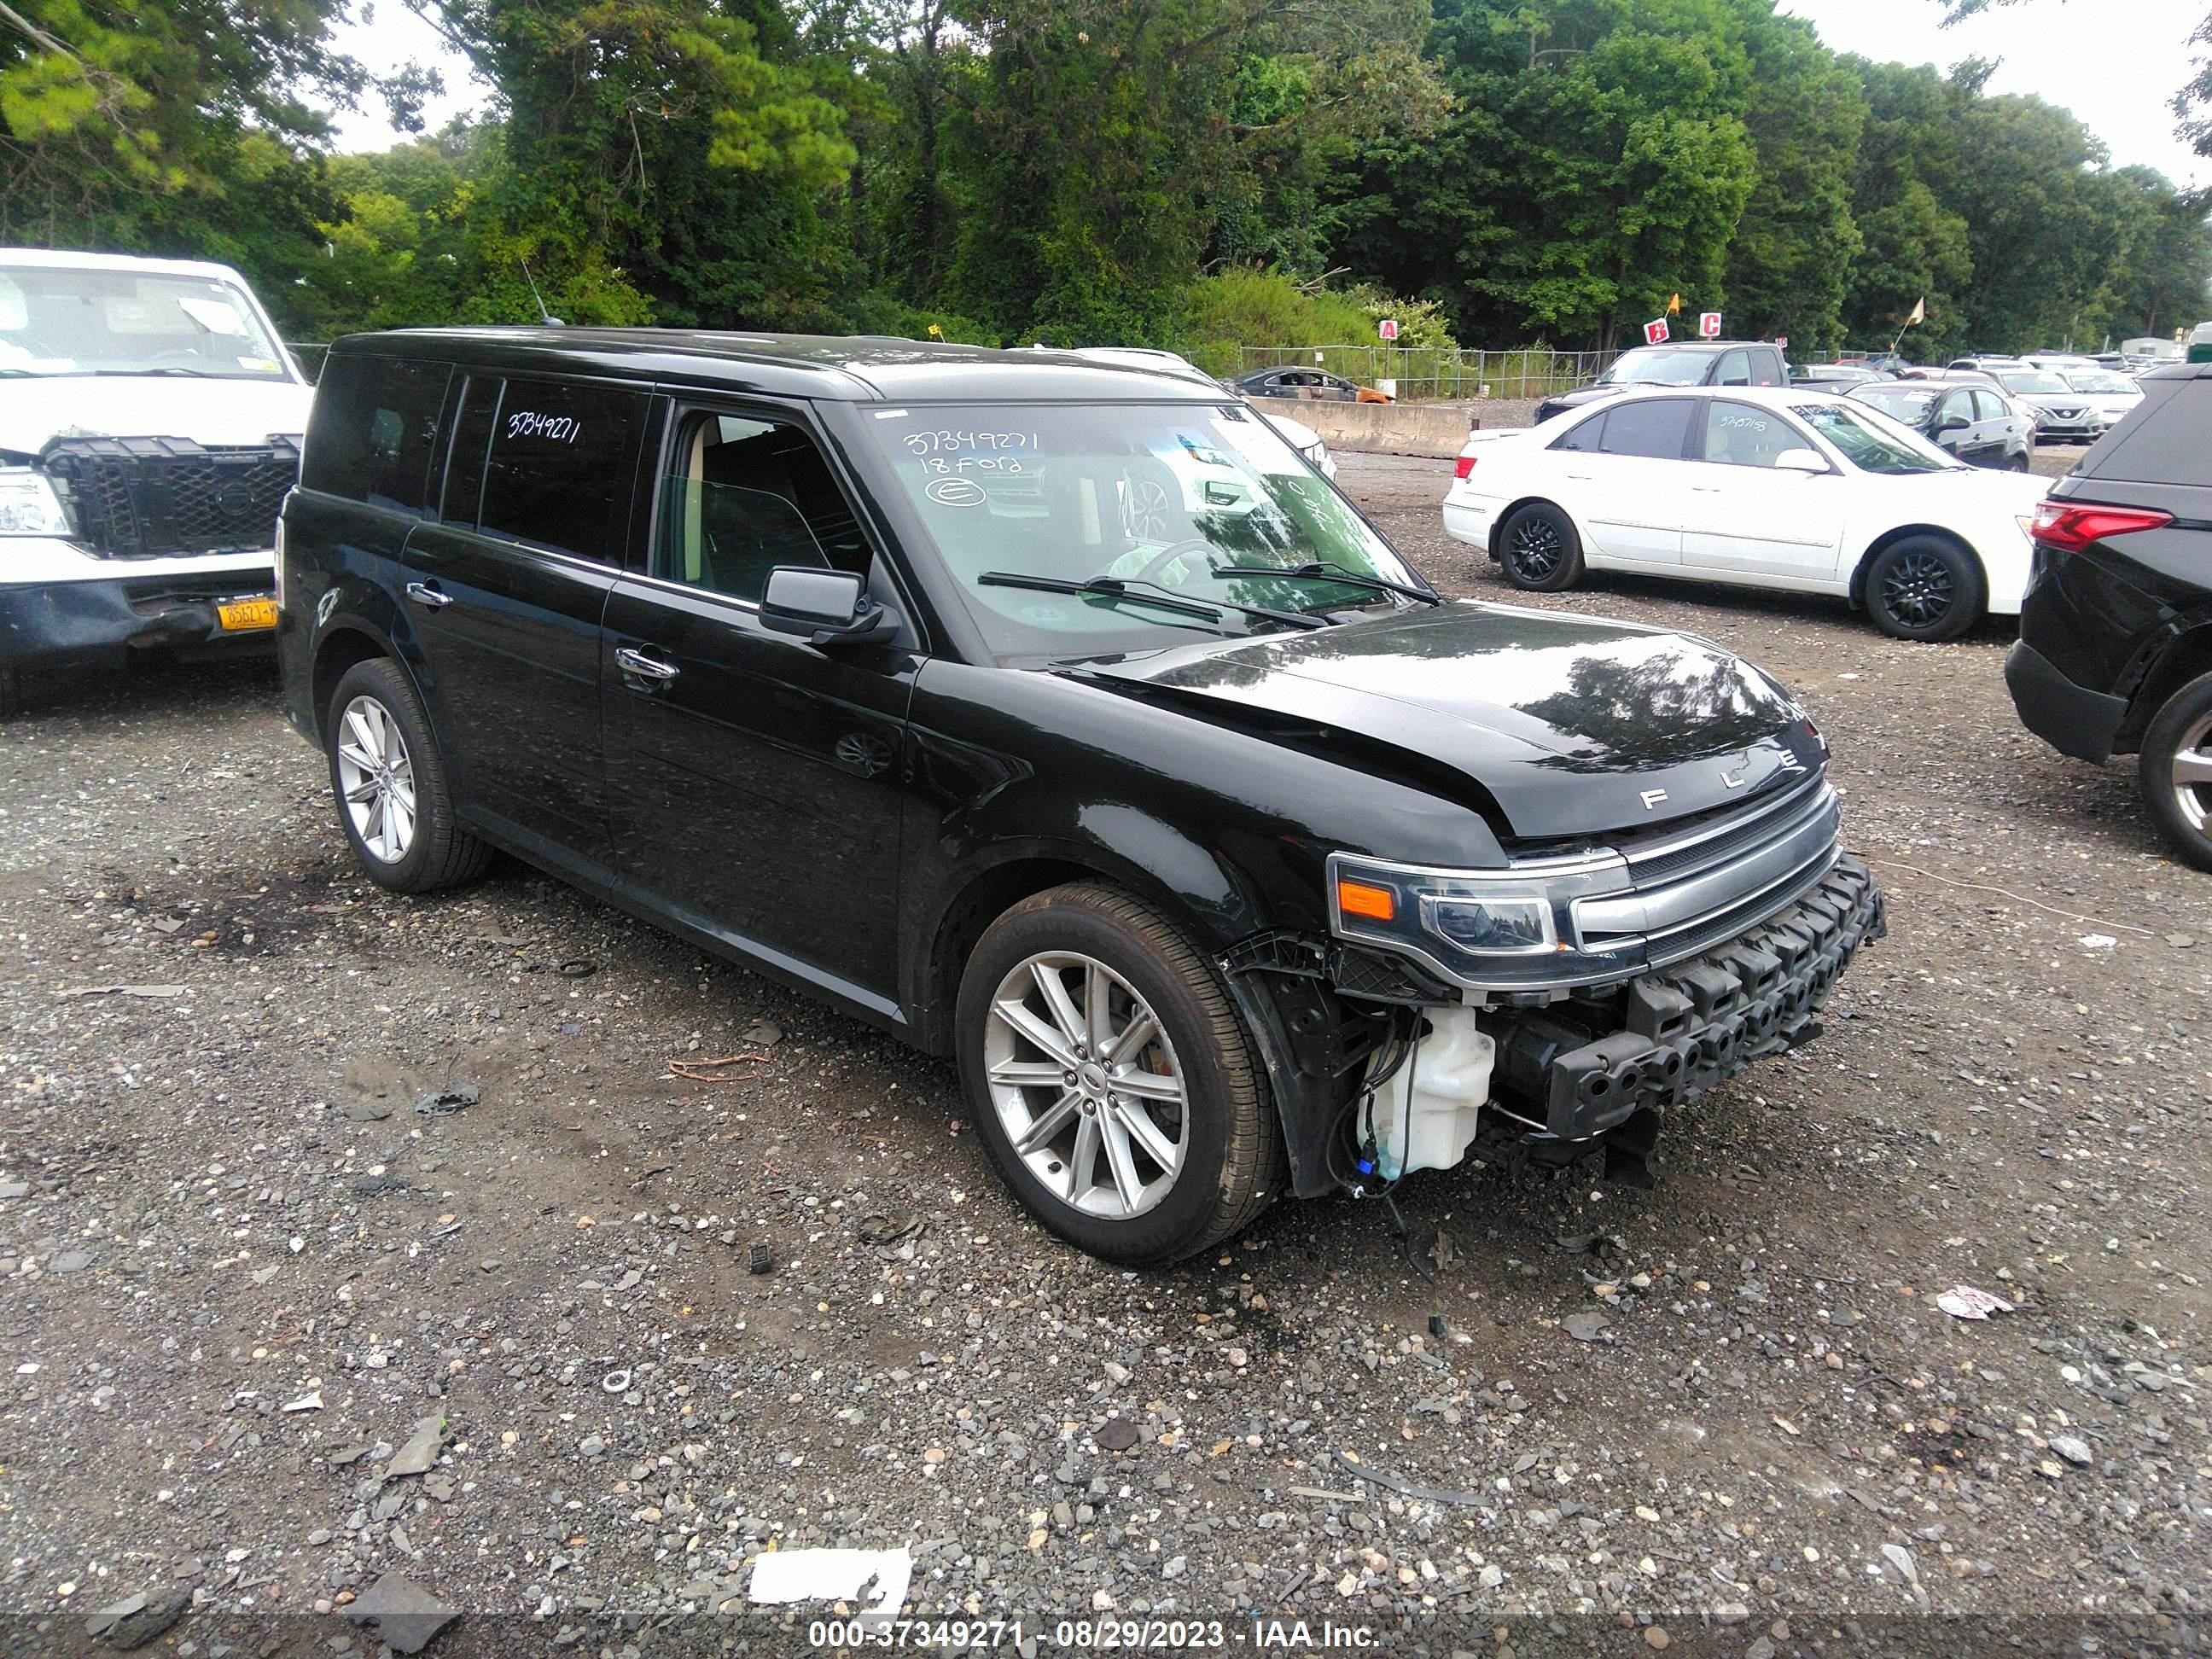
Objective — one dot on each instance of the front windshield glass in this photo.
(2100, 381)
(1871, 442)
(59, 320)
(1158, 496)
(1899, 403)
(2034, 382)
(1656, 368)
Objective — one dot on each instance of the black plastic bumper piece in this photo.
(90, 624)
(1700, 1021)
(2072, 719)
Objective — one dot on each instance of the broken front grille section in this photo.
(140, 497)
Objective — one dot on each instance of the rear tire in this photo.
(1537, 549)
(1924, 587)
(2176, 770)
(1151, 1153)
(395, 802)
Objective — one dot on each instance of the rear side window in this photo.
(1586, 439)
(2163, 441)
(374, 432)
(558, 471)
(1654, 428)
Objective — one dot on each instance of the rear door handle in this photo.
(426, 593)
(636, 664)
(1706, 490)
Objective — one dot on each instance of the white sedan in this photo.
(1758, 487)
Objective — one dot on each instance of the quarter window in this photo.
(743, 495)
(1654, 427)
(374, 432)
(558, 471)
(1741, 435)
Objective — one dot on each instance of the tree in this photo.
(1789, 260)
(2192, 104)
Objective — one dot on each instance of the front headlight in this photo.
(28, 504)
(1493, 930)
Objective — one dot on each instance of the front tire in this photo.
(394, 800)
(2176, 770)
(1924, 587)
(1111, 1081)
(1537, 549)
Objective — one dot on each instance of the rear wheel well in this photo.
(1890, 538)
(2183, 661)
(976, 906)
(340, 650)
(1497, 525)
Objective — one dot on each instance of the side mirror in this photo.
(825, 607)
(1953, 423)
(1800, 460)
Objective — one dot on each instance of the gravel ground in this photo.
(245, 1283)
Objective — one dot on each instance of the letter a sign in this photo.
(1655, 331)
(1708, 324)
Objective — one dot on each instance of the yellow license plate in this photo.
(238, 615)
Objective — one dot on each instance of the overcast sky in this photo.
(2078, 54)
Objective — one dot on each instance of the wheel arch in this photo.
(1889, 538)
(987, 888)
(349, 640)
(2188, 658)
(1534, 498)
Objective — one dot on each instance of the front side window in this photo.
(743, 495)
(557, 473)
(1989, 406)
(1869, 442)
(374, 434)
(1741, 435)
(1654, 428)
(72, 321)
(1164, 499)
(1734, 369)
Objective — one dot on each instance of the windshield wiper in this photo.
(165, 368)
(1104, 586)
(1324, 570)
(1166, 599)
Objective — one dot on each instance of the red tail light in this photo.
(1463, 466)
(2070, 528)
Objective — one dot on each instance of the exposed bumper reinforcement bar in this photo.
(1699, 1021)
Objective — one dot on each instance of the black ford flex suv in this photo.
(1059, 717)
(2115, 651)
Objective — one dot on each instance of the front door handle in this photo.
(1706, 490)
(634, 663)
(426, 593)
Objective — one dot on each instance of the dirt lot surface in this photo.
(246, 1281)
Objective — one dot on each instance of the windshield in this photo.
(1871, 442)
(2034, 383)
(1162, 495)
(1901, 403)
(2100, 381)
(59, 320)
(1656, 368)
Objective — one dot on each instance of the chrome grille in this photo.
(136, 497)
(1689, 892)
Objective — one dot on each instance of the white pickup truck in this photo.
(149, 427)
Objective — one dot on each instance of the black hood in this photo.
(1573, 726)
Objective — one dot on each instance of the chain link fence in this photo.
(1428, 374)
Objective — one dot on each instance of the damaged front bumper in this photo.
(94, 623)
(1600, 1066)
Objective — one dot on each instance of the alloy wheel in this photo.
(1085, 1085)
(1538, 548)
(376, 775)
(1918, 590)
(2192, 775)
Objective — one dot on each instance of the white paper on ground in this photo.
(835, 1575)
